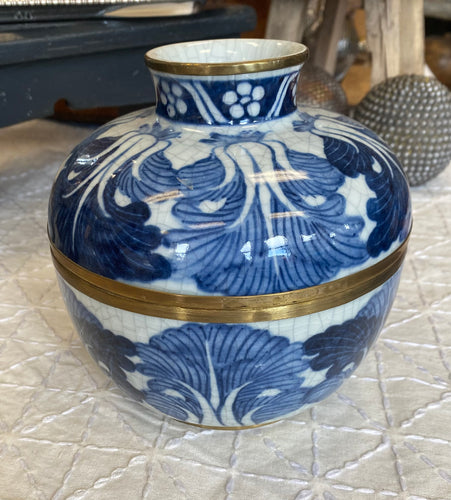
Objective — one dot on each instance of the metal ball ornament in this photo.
(318, 88)
(412, 114)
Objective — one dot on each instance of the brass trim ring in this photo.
(227, 428)
(228, 309)
(294, 58)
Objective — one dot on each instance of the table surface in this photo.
(67, 432)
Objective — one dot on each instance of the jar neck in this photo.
(227, 99)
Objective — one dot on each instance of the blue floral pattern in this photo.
(226, 102)
(208, 372)
(101, 221)
(245, 99)
(341, 348)
(234, 375)
(355, 150)
(171, 97)
(272, 249)
(238, 225)
(111, 352)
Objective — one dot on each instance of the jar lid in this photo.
(276, 218)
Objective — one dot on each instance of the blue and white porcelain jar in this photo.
(226, 257)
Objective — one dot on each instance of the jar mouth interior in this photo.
(226, 56)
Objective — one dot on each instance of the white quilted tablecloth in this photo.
(67, 433)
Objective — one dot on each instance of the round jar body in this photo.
(230, 246)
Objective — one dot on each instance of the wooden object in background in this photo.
(286, 19)
(324, 54)
(395, 37)
(440, 9)
(438, 57)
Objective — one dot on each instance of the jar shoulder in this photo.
(234, 210)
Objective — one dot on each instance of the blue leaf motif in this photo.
(247, 234)
(243, 226)
(340, 348)
(101, 221)
(355, 150)
(221, 373)
(110, 351)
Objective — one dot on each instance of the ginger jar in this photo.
(226, 257)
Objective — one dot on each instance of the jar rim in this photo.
(227, 56)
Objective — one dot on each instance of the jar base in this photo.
(226, 428)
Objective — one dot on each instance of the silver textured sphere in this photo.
(412, 114)
(319, 88)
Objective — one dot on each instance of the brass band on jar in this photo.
(228, 309)
(294, 58)
(227, 428)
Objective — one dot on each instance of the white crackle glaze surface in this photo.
(66, 432)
